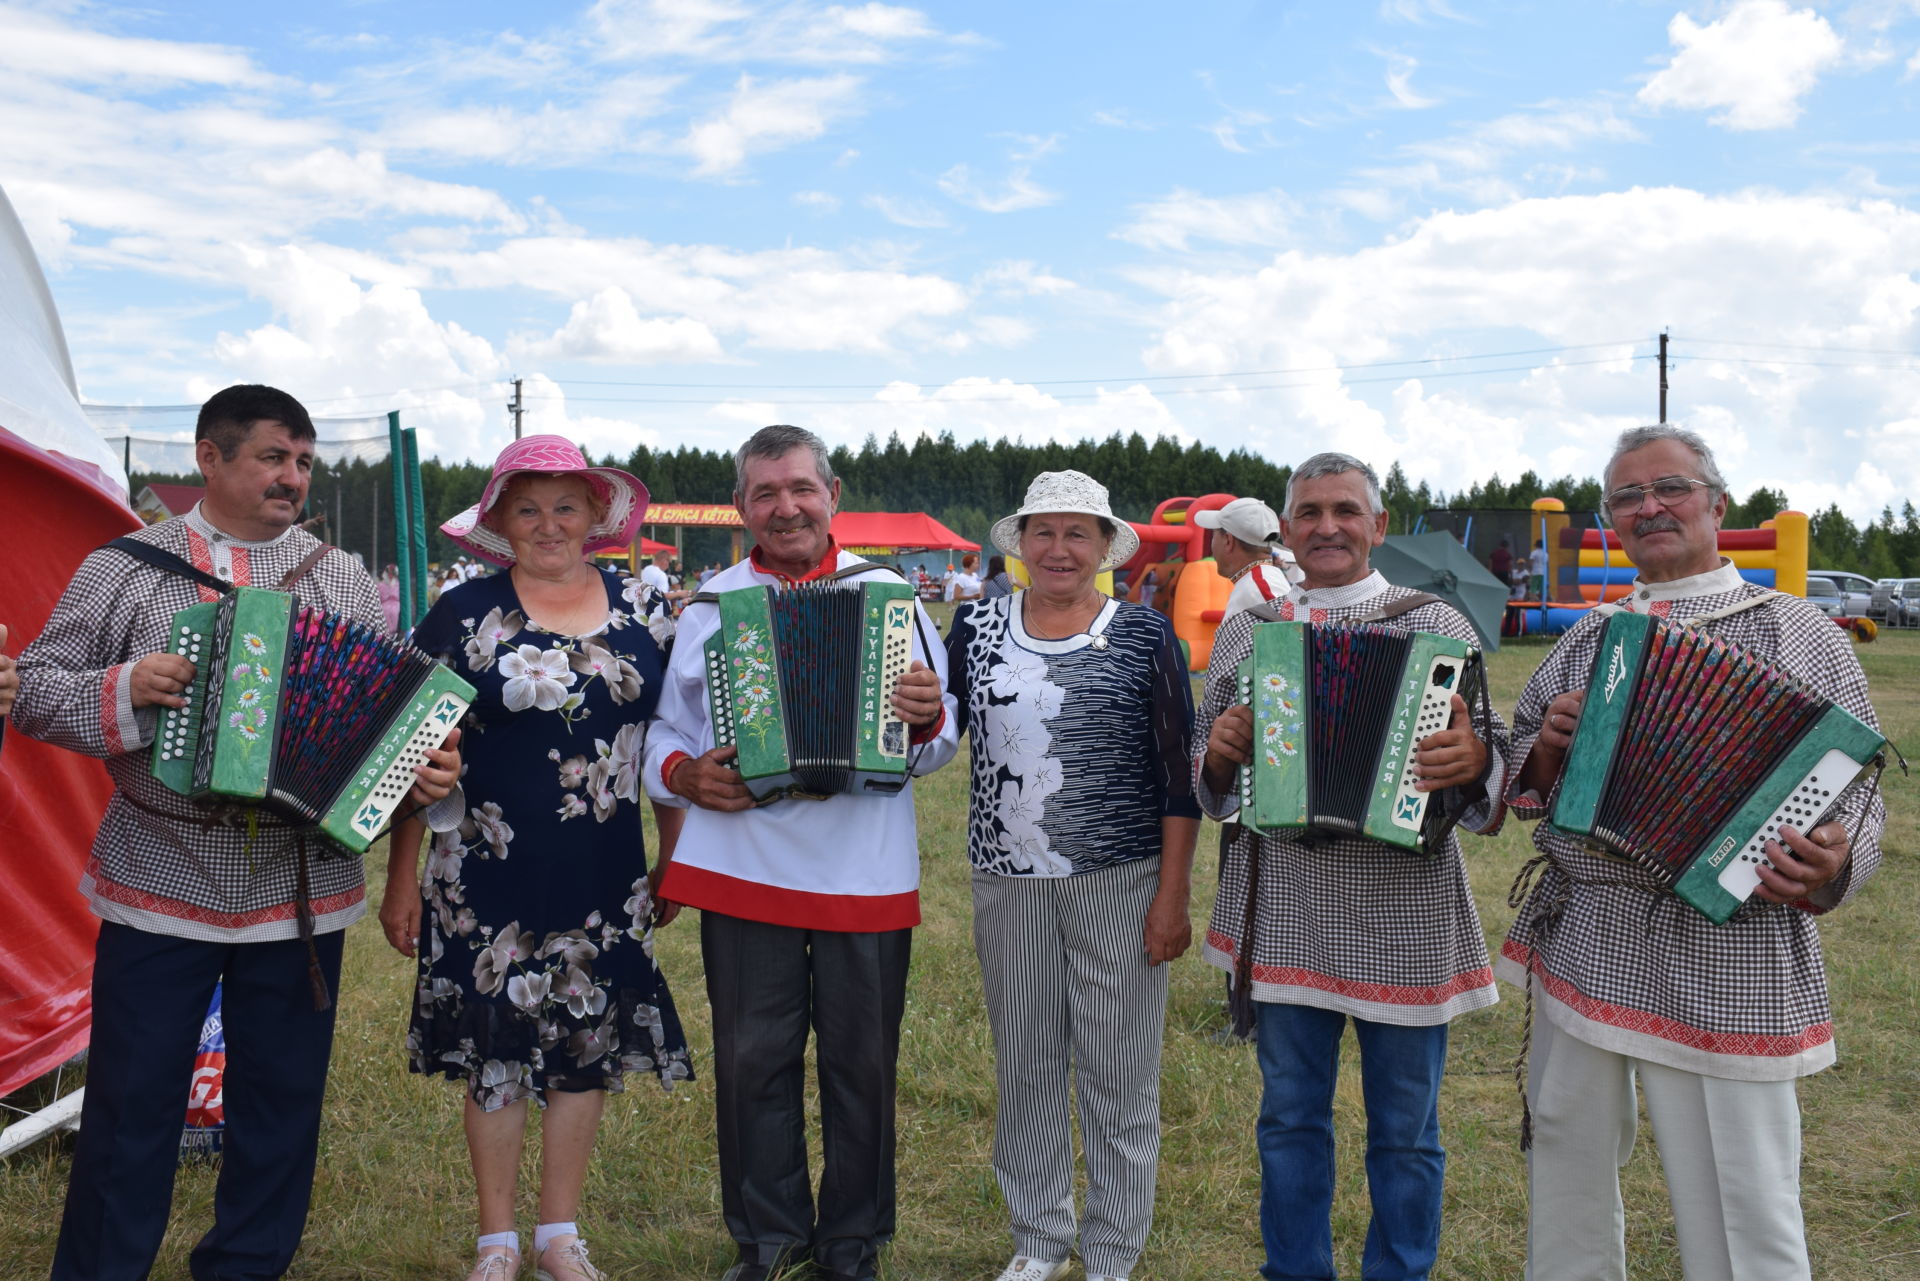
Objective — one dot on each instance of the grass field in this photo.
(393, 1199)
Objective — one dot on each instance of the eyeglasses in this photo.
(1668, 491)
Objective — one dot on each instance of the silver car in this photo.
(1856, 590)
(1896, 602)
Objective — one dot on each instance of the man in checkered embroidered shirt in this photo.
(1349, 928)
(186, 901)
(1716, 1022)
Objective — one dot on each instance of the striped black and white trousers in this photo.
(1077, 1015)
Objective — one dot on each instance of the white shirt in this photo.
(1258, 582)
(656, 578)
(963, 586)
(849, 863)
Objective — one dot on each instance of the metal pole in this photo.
(517, 406)
(403, 547)
(1663, 375)
(417, 511)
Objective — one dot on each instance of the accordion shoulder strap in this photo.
(848, 571)
(1738, 607)
(161, 558)
(1268, 611)
(307, 562)
(1402, 605)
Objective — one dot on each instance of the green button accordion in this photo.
(800, 681)
(313, 717)
(1337, 711)
(1691, 753)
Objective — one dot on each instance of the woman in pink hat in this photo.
(532, 924)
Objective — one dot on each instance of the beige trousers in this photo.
(1730, 1150)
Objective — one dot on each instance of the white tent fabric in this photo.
(39, 399)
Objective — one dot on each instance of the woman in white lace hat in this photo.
(1080, 829)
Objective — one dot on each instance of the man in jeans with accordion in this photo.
(1626, 982)
(188, 898)
(1319, 931)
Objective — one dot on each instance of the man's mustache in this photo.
(1654, 525)
(281, 491)
(788, 526)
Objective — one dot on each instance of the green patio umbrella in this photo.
(1437, 563)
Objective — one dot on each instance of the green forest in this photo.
(967, 487)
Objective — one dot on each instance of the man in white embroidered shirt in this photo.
(1348, 928)
(807, 909)
(1715, 1022)
(1245, 543)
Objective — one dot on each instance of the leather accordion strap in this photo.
(161, 558)
(1404, 605)
(300, 571)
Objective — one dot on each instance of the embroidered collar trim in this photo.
(1343, 597)
(214, 534)
(1714, 582)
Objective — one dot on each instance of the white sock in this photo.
(509, 1239)
(544, 1234)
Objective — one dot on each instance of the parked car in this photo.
(1855, 589)
(1896, 602)
(1825, 595)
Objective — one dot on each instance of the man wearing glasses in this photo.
(1716, 1022)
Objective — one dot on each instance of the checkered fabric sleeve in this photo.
(1623, 964)
(1351, 925)
(155, 864)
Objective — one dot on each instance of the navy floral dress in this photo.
(536, 951)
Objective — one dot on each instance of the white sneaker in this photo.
(1025, 1269)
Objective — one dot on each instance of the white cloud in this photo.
(1258, 218)
(1121, 119)
(1400, 69)
(1475, 162)
(1754, 266)
(788, 299)
(1755, 63)
(720, 31)
(609, 328)
(1417, 11)
(1018, 192)
(613, 118)
(819, 202)
(1019, 277)
(43, 47)
(905, 212)
(762, 116)
(363, 181)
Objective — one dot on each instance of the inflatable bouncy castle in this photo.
(1191, 592)
(1588, 565)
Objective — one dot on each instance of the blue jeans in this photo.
(1400, 1071)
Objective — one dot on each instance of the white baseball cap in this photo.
(1247, 519)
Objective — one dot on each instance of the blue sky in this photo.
(1280, 226)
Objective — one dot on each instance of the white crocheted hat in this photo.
(624, 497)
(1067, 491)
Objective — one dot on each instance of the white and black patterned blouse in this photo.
(1626, 966)
(1080, 746)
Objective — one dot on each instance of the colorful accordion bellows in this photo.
(801, 682)
(1337, 712)
(1690, 754)
(318, 718)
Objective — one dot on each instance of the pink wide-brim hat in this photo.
(624, 497)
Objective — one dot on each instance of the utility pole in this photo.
(1663, 377)
(517, 406)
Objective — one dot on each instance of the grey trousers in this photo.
(768, 984)
(1077, 1015)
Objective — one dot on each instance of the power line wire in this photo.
(1127, 378)
(1789, 346)
(1170, 391)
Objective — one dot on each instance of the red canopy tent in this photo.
(896, 531)
(60, 487)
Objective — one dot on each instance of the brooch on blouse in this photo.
(1098, 642)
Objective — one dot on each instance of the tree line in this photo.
(968, 486)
